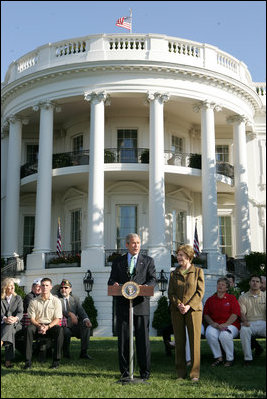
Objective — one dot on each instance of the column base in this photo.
(36, 261)
(93, 258)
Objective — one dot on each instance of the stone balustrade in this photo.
(145, 48)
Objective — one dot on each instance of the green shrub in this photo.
(20, 291)
(162, 317)
(255, 262)
(89, 306)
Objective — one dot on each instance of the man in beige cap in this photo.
(78, 322)
(36, 290)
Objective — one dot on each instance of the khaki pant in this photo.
(193, 321)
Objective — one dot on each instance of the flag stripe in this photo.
(196, 242)
(59, 243)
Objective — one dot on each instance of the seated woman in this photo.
(222, 314)
(11, 315)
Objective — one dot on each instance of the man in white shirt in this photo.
(253, 316)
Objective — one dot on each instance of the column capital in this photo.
(236, 119)
(206, 105)
(161, 97)
(46, 104)
(195, 132)
(97, 97)
(12, 119)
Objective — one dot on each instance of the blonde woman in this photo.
(11, 315)
(186, 291)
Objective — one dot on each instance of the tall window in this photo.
(225, 235)
(77, 143)
(76, 231)
(177, 144)
(28, 234)
(126, 222)
(32, 153)
(127, 145)
(222, 153)
(179, 229)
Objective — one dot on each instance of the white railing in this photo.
(149, 47)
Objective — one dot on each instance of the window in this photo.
(126, 222)
(32, 153)
(127, 145)
(179, 229)
(77, 143)
(222, 153)
(225, 235)
(28, 234)
(177, 144)
(76, 231)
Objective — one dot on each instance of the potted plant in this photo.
(109, 156)
(89, 306)
(111, 257)
(145, 156)
(195, 161)
(162, 317)
(65, 260)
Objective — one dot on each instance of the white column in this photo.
(12, 187)
(157, 245)
(242, 223)
(94, 253)
(209, 189)
(42, 241)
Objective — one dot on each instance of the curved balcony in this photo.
(127, 155)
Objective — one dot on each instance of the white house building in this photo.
(130, 133)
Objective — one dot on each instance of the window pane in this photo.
(76, 231)
(126, 223)
(28, 234)
(177, 144)
(222, 153)
(32, 153)
(127, 145)
(77, 143)
(225, 235)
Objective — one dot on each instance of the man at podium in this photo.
(140, 269)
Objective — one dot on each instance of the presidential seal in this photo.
(130, 290)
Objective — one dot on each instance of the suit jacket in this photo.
(15, 308)
(187, 289)
(145, 274)
(75, 307)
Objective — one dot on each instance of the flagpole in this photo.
(131, 16)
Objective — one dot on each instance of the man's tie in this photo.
(132, 265)
(66, 302)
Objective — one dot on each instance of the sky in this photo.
(236, 27)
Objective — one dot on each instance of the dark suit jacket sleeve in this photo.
(151, 273)
(80, 312)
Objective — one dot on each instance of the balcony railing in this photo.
(127, 155)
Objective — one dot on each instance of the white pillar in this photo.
(93, 256)
(12, 188)
(157, 244)
(42, 241)
(242, 222)
(209, 189)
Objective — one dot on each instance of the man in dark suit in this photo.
(140, 269)
(78, 323)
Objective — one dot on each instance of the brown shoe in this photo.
(228, 364)
(218, 362)
(8, 364)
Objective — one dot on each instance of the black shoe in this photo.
(247, 363)
(55, 365)
(85, 356)
(27, 365)
(66, 355)
(145, 377)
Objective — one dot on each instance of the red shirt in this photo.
(220, 309)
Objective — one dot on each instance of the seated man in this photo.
(253, 316)
(35, 291)
(78, 323)
(44, 312)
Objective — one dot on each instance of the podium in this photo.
(130, 291)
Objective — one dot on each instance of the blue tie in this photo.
(132, 265)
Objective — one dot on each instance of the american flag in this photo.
(196, 242)
(59, 244)
(124, 22)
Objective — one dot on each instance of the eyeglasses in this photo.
(64, 288)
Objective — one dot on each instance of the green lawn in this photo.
(97, 378)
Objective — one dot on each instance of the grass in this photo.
(97, 378)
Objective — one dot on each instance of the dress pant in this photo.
(79, 331)
(141, 332)
(193, 321)
(56, 333)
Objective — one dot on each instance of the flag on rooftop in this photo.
(196, 242)
(59, 243)
(124, 22)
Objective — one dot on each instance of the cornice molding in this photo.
(223, 82)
